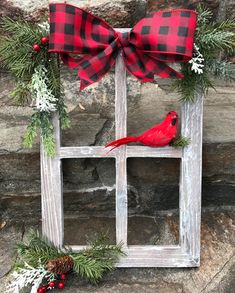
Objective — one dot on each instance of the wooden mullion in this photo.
(121, 170)
(52, 192)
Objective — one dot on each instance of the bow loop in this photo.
(160, 38)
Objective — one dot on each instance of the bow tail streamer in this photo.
(162, 69)
(71, 62)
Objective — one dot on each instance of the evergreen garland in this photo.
(213, 40)
(36, 74)
(35, 252)
(180, 141)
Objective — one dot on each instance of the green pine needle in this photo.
(36, 250)
(99, 258)
(22, 94)
(90, 263)
(180, 141)
(213, 39)
(17, 56)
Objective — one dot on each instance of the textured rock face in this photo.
(119, 13)
(89, 184)
(152, 184)
(188, 4)
(215, 275)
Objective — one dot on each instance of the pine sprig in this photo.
(93, 262)
(43, 86)
(216, 39)
(36, 250)
(87, 267)
(212, 39)
(192, 84)
(90, 263)
(22, 94)
(16, 47)
(228, 24)
(180, 141)
(204, 16)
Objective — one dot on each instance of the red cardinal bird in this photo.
(157, 136)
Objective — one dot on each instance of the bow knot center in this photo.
(123, 38)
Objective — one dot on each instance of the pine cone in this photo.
(60, 265)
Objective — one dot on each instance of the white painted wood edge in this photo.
(131, 151)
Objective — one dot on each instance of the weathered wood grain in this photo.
(131, 151)
(151, 256)
(144, 151)
(51, 193)
(190, 179)
(121, 168)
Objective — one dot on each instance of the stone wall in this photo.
(89, 184)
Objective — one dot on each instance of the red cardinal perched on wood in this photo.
(157, 136)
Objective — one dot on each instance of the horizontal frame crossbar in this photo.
(150, 256)
(131, 151)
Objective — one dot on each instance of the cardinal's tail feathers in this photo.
(121, 141)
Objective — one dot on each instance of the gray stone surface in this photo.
(119, 13)
(215, 275)
(153, 184)
(10, 235)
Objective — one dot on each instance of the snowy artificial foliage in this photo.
(28, 276)
(197, 61)
(44, 27)
(41, 95)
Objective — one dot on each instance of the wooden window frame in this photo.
(187, 252)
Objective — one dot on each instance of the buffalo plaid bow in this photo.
(164, 36)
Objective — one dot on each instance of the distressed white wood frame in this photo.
(187, 252)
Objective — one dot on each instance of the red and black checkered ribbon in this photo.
(162, 37)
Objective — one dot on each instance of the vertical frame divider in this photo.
(191, 179)
(51, 192)
(121, 169)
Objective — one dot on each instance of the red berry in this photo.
(62, 276)
(36, 47)
(60, 285)
(44, 40)
(45, 288)
(41, 290)
(51, 284)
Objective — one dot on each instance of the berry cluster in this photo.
(60, 283)
(37, 47)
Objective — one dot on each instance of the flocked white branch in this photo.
(44, 27)
(28, 276)
(197, 61)
(41, 95)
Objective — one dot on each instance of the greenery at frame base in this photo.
(18, 56)
(36, 252)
